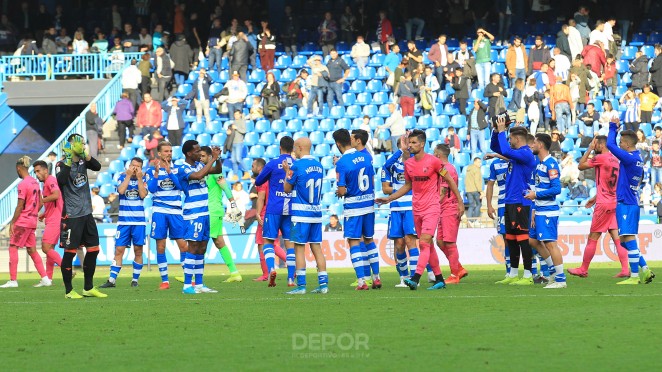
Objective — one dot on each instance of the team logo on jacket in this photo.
(80, 180)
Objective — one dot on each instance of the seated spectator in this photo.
(256, 111)
(588, 118)
(271, 98)
(578, 190)
(453, 141)
(296, 91)
(333, 225)
(569, 170)
(643, 146)
(555, 148)
(396, 124)
(360, 53)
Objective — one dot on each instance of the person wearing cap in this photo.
(237, 92)
(240, 55)
(516, 61)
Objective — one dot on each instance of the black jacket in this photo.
(461, 86)
(482, 122)
(563, 44)
(490, 89)
(656, 71)
(639, 70)
(240, 52)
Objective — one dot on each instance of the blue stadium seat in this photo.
(127, 153)
(317, 137)
(116, 166)
(299, 134)
(283, 61)
(183, 90)
(567, 145)
(223, 76)
(267, 139)
(327, 162)
(218, 139)
(288, 75)
(262, 126)
(214, 127)
(176, 153)
(299, 61)
(322, 150)
(459, 121)
(358, 86)
(310, 125)
(363, 99)
(384, 111)
(353, 74)
(204, 139)
(646, 128)
(337, 112)
(440, 121)
(188, 137)
(378, 161)
(573, 132)
(375, 122)
(213, 75)
(497, 67)
(328, 198)
(106, 189)
(450, 109)
(367, 74)
(410, 122)
(280, 135)
(629, 52)
(278, 126)
(347, 58)
(328, 138)
(374, 86)
(349, 99)
(192, 76)
(196, 128)
(294, 125)
(622, 66)
(377, 60)
(462, 159)
(370, 110)
(380, 98)
(273, 151)
(353, 111)
(326, 125)
(343, 123)
(251, 138)
(432, 134)
(103, 177)
(381, 74)
(424, 122)
(257, 76)
(289, 113)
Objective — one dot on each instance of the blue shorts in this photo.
(501, 220)
(627, 218)
(303, 233)
(129, 233)
(167, 225)
(274, 223)
(401, 223)
(197, 230)
(546, 229)
(358, 227)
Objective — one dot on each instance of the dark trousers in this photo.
(133, 97)
(122, 126)
(462, 103)
(175, 137)
(146, 85)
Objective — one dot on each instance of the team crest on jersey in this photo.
(132, 194)
(167, 184)
(80, 180)
(400, 177)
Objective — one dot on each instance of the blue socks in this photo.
(413, 260)
(290, 259)
(199, 269)
(137, 268)
(163, 266)
(301, 277)
(401, 264)
(634, 256)
(323, 278)
(364, 257)
(357, 261)
(507, 257)
(189, 268)
(114, 272)
(269, 257)
(373, 258)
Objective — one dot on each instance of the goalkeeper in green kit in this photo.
(217, 187)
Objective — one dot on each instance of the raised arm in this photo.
(619, 153)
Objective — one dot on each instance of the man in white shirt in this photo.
(431, 86)
(598, 34)
(360, 53)
(237, 92)
(241, 197)
(562, 64)
(131, 79)
(396, 124)
(98, 205)
(574, 39)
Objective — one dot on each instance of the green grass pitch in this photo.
(591, 325)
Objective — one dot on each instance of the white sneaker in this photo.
(44, 282)
(402, 284)
(431, 278)
(205, 289)
(556, 285)
(10, 284)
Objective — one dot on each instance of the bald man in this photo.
(304, 180)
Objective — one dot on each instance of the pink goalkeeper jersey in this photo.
(28, 190)
(424, 177)
(52, 210)
(449, 204)
(606, 175)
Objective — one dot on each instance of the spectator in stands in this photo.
(476, 123)
(93, 125)
(338, 72)
(581, 20)
(396, 124)
(647, 102)
(517, 107)
(643, 145)
(328, 31)
(656, 71)
(296, 91)
(575, 40)
(598, 35)
(495, 93)
(360, 53)
(578, 69)
(113, 207)
(569, 170)
(271, 98)
(62, 41)
(453, 141)
(200, 95)
(334, 224)
(48, 45)
(463, 54)
(414, 56)
(451, 67)
(430, 88)
(561, 106)
(236, 133)
(483, 48)
(563, 43)
(130, 39)
(164, 72)
(80, 46)
(240, 53)
(391, 62)
(505, 10)
(51, 160)
(175, 124)
(256, 112)
(348, 25)
(608, 113)
(439, 57)
(538, 55)
(639, 70)
(594, 55)
(98, 205)
(124, 112)
(252, 40)
(632, 109)
(179, 23)
(100, 44)
(214, 46)
(407, 93)
(609, 77)
(151, 144)
(656, 163)
(145, 67)
(588, 118)
(555, 148)
(145, 38)
(562, 64)
(289, 30)
(266, 46)
(461, 86)
(157, 36)
(318, 83)
(473, 189)
(237, 92)
(516, 60)
(131, 80)
(551, 73)
(384, 32)
(182, 57)
(413, 13)
(149, 116)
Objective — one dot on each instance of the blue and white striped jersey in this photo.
(631, 110)
(278, 201)
(393, 172)
(307, 175)
(498, 173)
(165, 190)
(196, 201)
(354, 172)
(547, 187)
(132, 209)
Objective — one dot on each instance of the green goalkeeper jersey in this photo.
(216, 192)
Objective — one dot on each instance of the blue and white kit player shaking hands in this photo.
(627, 196)
(304, 181)
(191, 176)
(277, 217)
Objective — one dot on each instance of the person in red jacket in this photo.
(594, 55)
(384, 30)
(609, 79)
(149, 115)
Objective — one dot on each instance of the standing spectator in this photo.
(214, 46)
(575, 40)
(538, 55)
(360, 53)
(396, 124)
(561, 106)
(131, 79)
(598, 34)
(145, 67)
(505, 9)
(149, 116)
(51, 161)
(639, 70)
(266, 46)
(453, 141)
(495, 91)
(581, 20)
(407, 93)
(290, 29)
(328, 31)
(338, 72)
(431, 86)
(594, 56)
(609, 78)
(182, 57)
(463, 54)
(236, 131)
(414, 56)
(384, 32)
(333, 225)
(477, 123)
(563, 43)
(516, 107)
(237, 92)
(581, 72)
(130, 39)
(115, 16)
(252, 40)
(113, 207)
(175, 123)
(348, 25)
(439, 56)
(632, 110)
(562, 64)
(145, 38)
(164, 71)
(656, 71)
(124, 112)
(413, 14)
(271, 97)
(200, 94)
(656, 163)
(516, 60)
(608, 114)
(473, 186)
(483, 50)
(461, 86)
(318, 83)
(179, 23)
(98, 205)
(93, 125)
(240, 53)
(647, 101)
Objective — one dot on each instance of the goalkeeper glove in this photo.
(66, 152)
(78, 146)
(235, 213)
